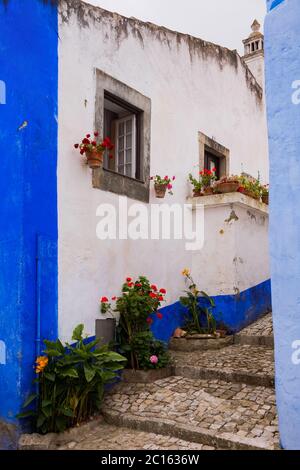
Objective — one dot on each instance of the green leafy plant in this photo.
(167, 182)
(197, 184)
(208, 177)
(137, 305)
(265, 190)
(71, 382)
(201, 319)
(252, 186)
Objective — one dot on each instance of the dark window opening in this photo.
(122, 124)
(212, 161)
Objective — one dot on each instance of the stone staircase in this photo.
(216, 399)
(221, 399)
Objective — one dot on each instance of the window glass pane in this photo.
(121, 128)
(128, 156)
(121, 169)
(129, 126)
(121, 143)
(129, 170)
(121, 158)
(129, 141)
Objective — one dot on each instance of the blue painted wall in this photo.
(28, 207)
(235, 311)
(282, 42)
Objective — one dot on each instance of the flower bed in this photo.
(138, 304)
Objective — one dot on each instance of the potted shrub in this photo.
(71, 381)
(250, 187)
(265, 194)
(137, 307)
(94, 150)
(197, 186)
(200, 329)
(208, 177)
(228, 184)
(201, 320)
(161, 185)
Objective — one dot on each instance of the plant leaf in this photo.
(89, 372)
(77, 333)
(29, 400)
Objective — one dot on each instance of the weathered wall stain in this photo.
(122, 27)
(232, 218)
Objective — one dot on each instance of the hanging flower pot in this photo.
(162, 185)
(160, 190)
(94, 159)
(94, 150)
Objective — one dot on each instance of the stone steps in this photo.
(220, 398)
(211, 412)
(259, 333)
(252, 365)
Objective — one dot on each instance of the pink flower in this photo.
(174, 178)
(154, 359)
(170, 186)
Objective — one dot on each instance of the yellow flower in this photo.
(186, 272)
(41, 363)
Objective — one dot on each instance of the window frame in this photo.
(210, 145)
(137, 188)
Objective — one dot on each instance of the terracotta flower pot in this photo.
(265, 199)
(160, 190)
(208, 191)
(94, 159)
(230, 187)
(250, 194)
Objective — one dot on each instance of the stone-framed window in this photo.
(124, 115)
(212, 154)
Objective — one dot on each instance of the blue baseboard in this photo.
(236, 311)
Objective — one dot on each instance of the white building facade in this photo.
(192, 97)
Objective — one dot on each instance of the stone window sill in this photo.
(228, 199)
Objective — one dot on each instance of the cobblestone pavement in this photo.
(107, 437)
(236, 412)
(251, 362)
(263, 327)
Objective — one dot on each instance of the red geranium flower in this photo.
(76, 146)
(160, 298)
(128, 279)
(163, 291)
(96, 134)
(152, 295)
(104, 300)
(114, 298)
(88, 136)
(153, 287)
(149, 321)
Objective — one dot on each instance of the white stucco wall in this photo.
(193, 86)
(256, 64)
